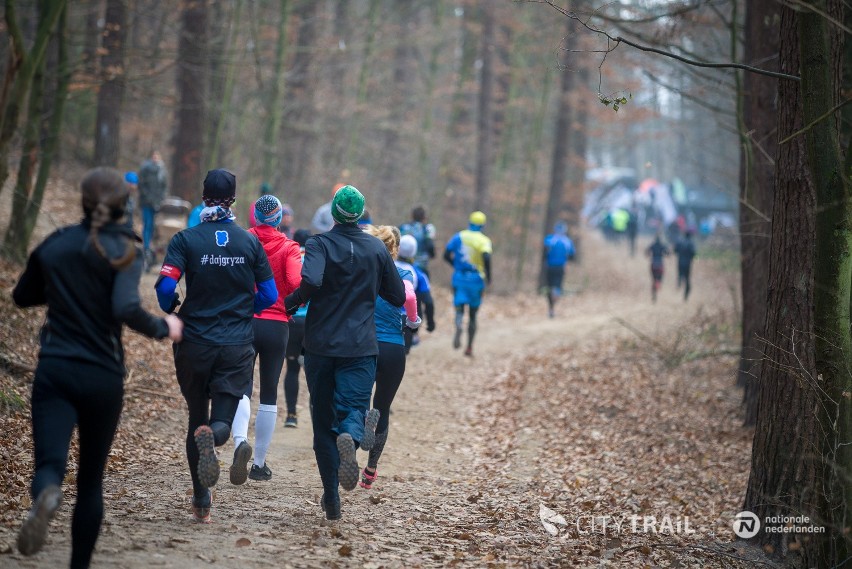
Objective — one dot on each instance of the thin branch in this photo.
(619, 40)
(817, 120)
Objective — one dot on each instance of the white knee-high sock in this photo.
(239, 429)
(264, 426)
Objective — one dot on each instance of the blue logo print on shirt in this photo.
(221, 238)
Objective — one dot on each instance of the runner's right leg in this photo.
(471, 329)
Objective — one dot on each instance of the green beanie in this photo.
(347, 206)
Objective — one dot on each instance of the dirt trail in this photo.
(432, 471)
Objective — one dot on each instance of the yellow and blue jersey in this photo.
(468, 248)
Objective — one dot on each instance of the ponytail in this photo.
(104, 199)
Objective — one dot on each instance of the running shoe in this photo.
(367, 479)
(457, 338)
(260, 472)
(208, 462)
(201, 508)
(239, 468)
(33, 532)
(291, 421)
(331, 507)
(370, 423)
(468, 352)
(348, 471)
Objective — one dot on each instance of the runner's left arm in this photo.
(267, 293)
(486, 263)
(313, 271)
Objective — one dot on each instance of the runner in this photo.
(294, 346)
(423, 233)
(558, 250)
(345, 270)
(422, 287)
(228, 279)
(88, 276)
(390, 366)
(152, 191)
(270, 338)
(685, 251)
(656, 251)
(469, 252)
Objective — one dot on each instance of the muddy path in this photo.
(445, 464)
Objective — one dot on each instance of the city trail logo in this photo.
(549, 518)
(747, 524)
(612, 524)
(221, 238)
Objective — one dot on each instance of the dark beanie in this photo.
(220, 187)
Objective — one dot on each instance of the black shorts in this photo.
(555, 276)
(213, 369)
(297, 334)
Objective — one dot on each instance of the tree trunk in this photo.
(111, 93)
(19, 73)
(274, 103)
(561, 144)
(484, 151)
(758, 133)
(221, 92)
(26, 202)
(299, 120)
(784, 467)
(191, 111)
(820, 48)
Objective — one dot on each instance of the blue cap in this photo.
(131, 178)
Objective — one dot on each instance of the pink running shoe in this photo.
(367, 479)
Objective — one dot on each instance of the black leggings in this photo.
(294, 350)
(67, 393)
(270, 344)
(390, 367)
(471, 322)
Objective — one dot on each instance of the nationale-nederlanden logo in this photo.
(747, 524)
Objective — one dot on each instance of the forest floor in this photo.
(616, 410)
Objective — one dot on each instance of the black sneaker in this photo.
(348, 471)
(331, 507)
(370, 423)
(33, 532)
(208, 462)
(260, 472)
(291, 421)
(239, 468)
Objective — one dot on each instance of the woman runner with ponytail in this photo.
(390, 366)
(88, 276)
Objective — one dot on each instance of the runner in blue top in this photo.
(656, 251)
(558, 250)
(228, 280)
(469, 252)
(390, 366)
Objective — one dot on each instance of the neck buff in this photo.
(217, 213)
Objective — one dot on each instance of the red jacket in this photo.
(286, 262)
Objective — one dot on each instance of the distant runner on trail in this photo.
(294, 346)
(88, 276)
(469, 252)
(424, 234)
(153, 182)
(271, 333)
(656, 251)
(558, 250)
(344, 271)
(406, 254)
(685, 251)
(228, 280)
(390, 366)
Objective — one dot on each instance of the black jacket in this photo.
(344, 271)
(87, 300)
